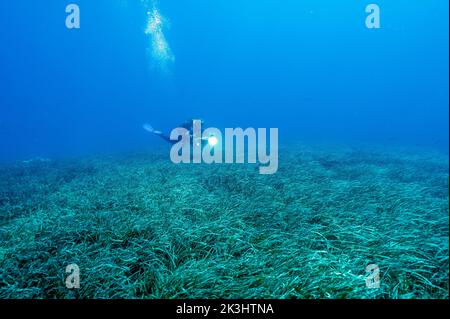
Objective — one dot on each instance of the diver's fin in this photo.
(150, 129)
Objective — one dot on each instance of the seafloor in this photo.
(139, 226)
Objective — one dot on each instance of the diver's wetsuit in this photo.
(164, 137)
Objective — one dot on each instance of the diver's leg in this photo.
(165, 137)
(150, 129)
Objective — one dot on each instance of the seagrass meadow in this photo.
(139, 226)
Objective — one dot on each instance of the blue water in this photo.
(310, 68)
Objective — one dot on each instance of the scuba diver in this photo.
(188, 125)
